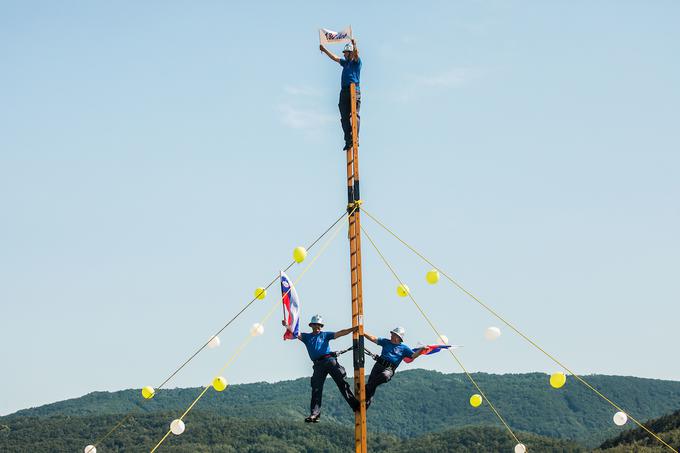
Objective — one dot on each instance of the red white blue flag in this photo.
(429, 349)
(291, 308)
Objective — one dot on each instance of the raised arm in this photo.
(355, 52)
(330, 54)
(283, 323)
(370, 337)
(418, 353)
(343, 332)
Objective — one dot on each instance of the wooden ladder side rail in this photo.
(353, 197)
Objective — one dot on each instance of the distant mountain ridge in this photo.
(414, 403)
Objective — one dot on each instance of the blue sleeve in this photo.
(343, 62)
(408, 352)
(304, 337)
(383, 341)
(329, 336)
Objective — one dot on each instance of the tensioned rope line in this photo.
(436, 331)
(198, 351)
(248, 304)
(520, 333)
(241, 347)
(111, 431)
(249, 338)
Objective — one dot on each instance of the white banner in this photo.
(329, 36)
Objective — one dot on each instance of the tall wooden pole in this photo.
(353, 203)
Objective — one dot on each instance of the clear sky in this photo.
(160, 160)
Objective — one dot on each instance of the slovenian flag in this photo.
(291, 308)
(429, 349)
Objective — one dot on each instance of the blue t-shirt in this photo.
(351, 70)
(394, 353)
(317, 345)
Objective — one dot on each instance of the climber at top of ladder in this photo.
(351, 71)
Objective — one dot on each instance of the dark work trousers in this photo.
(380, 374)
(345, 106)
(322, 369)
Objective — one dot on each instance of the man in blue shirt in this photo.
(351, 71)
(325, 363)
(393, 352)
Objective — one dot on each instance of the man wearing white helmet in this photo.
(351, 71)
(393, 352)
(325, 363)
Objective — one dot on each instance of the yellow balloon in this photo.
(219, 383)
(558, 380)
(432, 277)
(402, 290)
(260, 293)
(299, 254)
(148, 392)
(476, 400)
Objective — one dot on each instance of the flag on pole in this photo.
(429, 349)
(329, 36)
(291, 308)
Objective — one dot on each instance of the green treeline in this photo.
(417, 407)
(206, 432)
(639, 441)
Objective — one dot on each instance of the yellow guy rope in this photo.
(520, 333)
(249, 338)
(131, 413)
(436, 331)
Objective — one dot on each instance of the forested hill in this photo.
(638, 440)
(415, 402)
(208, 432)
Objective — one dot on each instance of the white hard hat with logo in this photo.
(316, 319)
(348, 48)
(399, 331)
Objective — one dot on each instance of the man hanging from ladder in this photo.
(393, 352)
(325, 363)
(351, 71)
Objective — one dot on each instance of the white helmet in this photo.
(348, 48)
(316, 319)
(399, 331)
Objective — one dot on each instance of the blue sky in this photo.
(160, 160)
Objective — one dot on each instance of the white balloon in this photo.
(177, 427)
(491, 333)
(444, 339)
(520, 448)
(257, 329)
(620, 418)
(214, 342)
(90, 449)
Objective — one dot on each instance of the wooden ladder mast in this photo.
(353, 204)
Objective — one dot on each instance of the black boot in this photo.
(313, 418)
